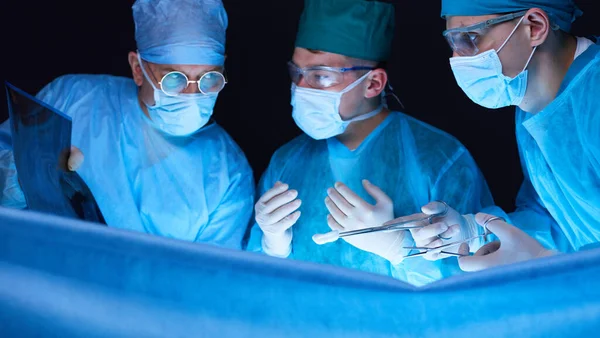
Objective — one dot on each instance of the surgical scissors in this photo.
(334, 235)
(448, 245)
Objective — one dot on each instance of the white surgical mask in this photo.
(179, 115)
(317, 112)
(481, 78)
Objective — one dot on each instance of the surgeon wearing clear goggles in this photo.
(465, 41)
(321, 77)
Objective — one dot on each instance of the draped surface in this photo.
(66, 278)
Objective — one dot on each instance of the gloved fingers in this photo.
(429, 231)
(488, 248)
(284, 211)
(340, 201)
(417, 217)
(333, 224)
(486, 257)
(504, 231)
(335, 212)
(376, 192)
(477, 263)
(288, 221)
(75, 159)
(277, 189)
(426, 241)
(433, 255)
(279, 201)
(350, 196)
(432, 208)
(464, 249)
(408, 220)
(451, 232)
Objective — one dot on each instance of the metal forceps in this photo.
(448, 245)
(402, 225)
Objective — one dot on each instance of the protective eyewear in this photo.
(321, 77)
(174, 83)
(463, 40)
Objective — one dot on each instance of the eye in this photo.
(174, 82)
(475, 37)
(323, 78)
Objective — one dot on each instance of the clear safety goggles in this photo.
(321, 77)
(463, 40)
(174, 83)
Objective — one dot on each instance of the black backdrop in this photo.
(45, 39)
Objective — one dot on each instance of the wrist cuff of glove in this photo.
(277, 245)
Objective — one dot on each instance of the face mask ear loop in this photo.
(530, 57)
(511, 34)
(391, 93)
(355, 83)
(144, 72)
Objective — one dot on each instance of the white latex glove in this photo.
(275, 214)
(514, 246)
(75, 159)
(350, 212)
(450, 228)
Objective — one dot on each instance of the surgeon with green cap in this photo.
(358, 164)
(520, 53)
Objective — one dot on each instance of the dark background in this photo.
(46, 39)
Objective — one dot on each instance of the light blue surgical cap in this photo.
(561, 12)
(186, 32)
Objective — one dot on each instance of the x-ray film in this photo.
(41, 138)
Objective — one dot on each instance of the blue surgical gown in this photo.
(198, 188)
(560, 155)
(411, 161)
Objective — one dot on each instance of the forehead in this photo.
(305, 58)
(464, 21)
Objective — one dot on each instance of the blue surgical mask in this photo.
(482, 79)
(317, 112)
(179, 115)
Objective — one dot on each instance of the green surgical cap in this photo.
(356, 28)
(561, 12)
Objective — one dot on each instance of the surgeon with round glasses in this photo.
(358, 164)
(521, 53)
(155, 159)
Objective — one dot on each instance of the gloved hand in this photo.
(11, 195)
(514, 246)
(350, 212)
(445, 229)
(275, 214)
(75, 159)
